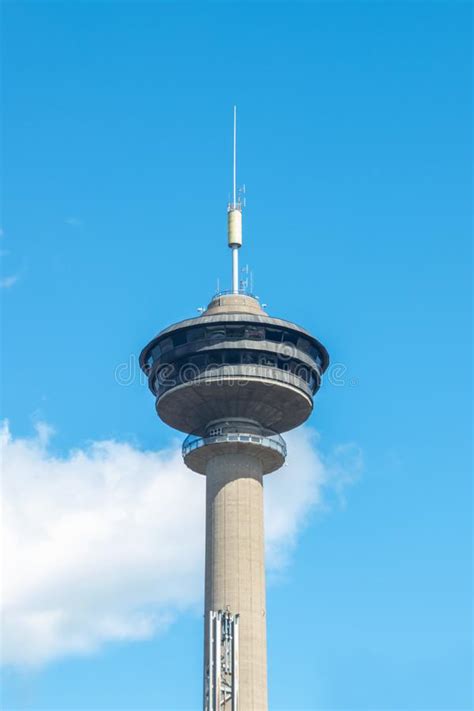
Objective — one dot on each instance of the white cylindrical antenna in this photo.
(235, 270)
(234, 217)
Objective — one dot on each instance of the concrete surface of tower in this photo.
(234, 379)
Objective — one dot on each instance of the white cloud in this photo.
(107, 543)
(9, 281)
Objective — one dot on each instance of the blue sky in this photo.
(354, 144)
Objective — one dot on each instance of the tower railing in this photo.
(229, 292)
(273, 441)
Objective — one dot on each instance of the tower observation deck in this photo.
(234, 379)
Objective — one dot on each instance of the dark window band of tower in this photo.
(171, 359)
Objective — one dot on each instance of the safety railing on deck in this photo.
(271, 440)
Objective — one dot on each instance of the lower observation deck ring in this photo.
(270, 449)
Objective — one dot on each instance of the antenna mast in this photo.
(234, 218)
(235, 157)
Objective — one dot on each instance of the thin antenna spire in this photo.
(235, 160)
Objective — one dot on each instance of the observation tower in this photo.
(234, 379)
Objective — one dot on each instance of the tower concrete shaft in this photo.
(235, 572)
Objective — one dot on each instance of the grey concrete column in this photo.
(235, 572)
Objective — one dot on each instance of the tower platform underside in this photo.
(277, 405)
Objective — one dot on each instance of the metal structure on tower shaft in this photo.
(234, 379)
